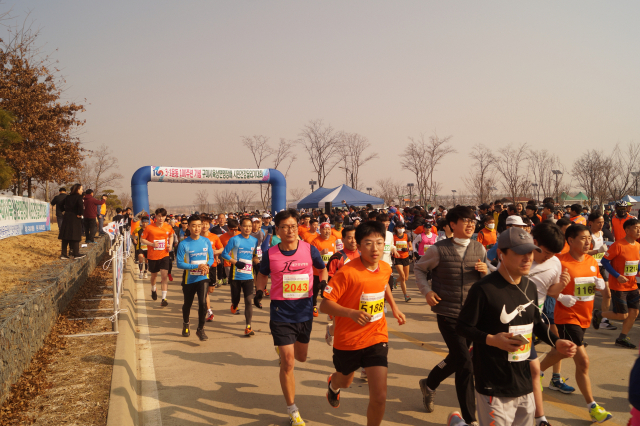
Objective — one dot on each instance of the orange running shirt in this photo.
(579, 220)
(401, 243)
(309, 236)
(487, 237)
(624, 258)
(565, 250)
(161, 235)
(355, 287)
(616, 227)
(582, 285)
(302, 230)
(321, 244)
(337, 234)
(420, 230)
(224, 239)
(216, 244)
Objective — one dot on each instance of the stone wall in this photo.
(28, 311)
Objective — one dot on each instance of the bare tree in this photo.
(284, 153)
(588, 170)
(225, 200)
(125, 199)
(352, 150)
(389, 190)
(99, 170)
(202, 201)
(244, 199)
(510, 165)
(261, 151)
(437, 149)
(321, 142)
(481, 176)
(623, 161)
(297, 193)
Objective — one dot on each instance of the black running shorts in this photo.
(346, 362)
(404, 262)
(156, 265)
(571, 332)
(622, 301)
(287, 333)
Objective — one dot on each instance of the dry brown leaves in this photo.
(69, 379)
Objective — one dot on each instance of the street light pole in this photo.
(635, 175)
(312, 183)
(410, 185)
(557, 172)
(369, 189)
(535, 185)
(454, 196)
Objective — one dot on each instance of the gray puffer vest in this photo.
(453, 277)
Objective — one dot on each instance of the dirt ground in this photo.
(69, 380)
(23, 255)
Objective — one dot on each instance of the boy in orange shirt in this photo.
(356, 298)
(158, 237)
(487, 235)
(580, 279)
(621, 261)
(326, 245)
(311, 232)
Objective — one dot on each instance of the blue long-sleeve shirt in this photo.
(192, 253)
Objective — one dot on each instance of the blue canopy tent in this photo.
(630, 199)
(335, 196)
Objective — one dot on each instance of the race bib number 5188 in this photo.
(373, 304)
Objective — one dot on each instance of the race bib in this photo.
(259, 252)
(598, 257)
(387, 248)
(523, 351)
(339, 245)
(196, 271)
(143, 247)
(631, 268)
(248, 268)
(160, 244)
(401, 244)
(584, 289)
(326, 257)
(373, 304)
(295, 286)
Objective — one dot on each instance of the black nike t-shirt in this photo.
(494, 306)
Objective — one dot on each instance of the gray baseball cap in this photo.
(518, 240)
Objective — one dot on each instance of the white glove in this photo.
(567, 300)
(602, 248)
(599, 284)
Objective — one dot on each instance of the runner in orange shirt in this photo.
(217, 246)
(564, 223)
(580, 278)
(304, 225)
(617, 221)
(158, 237)
(311, 232)
(356, 298)
(487, 235)
(621, 261)
(326, 245)
(575, 215)
(401, 259)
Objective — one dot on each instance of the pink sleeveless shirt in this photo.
(291, 276)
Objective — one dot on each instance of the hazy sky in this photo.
(178, 83)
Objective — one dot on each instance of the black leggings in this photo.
(458, 362)
(221, 271)
(189, 291)
(73, 245)
(246, 286)
(317, 289)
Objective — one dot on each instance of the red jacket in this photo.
(91, 206)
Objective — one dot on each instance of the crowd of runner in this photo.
(500, 279)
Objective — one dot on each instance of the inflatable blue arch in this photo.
(146, 174)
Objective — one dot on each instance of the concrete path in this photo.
(233, 380)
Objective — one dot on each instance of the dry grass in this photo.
(69, 379)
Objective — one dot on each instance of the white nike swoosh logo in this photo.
(506, 318)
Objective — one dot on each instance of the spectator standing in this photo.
(58, 201)
(71, 229)
(102, 215)
(90, 215)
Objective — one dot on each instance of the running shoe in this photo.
(544, 423)
(145, 276)
(315, 311)
(596, 319)
(329, 318)
(201, 334)
(625, 343)
(455, 419)
(210, 315)
(332, 397)
(427, 396)
(295, 419)
(164, 302)
(363, 374)
(235, 311)
(170, 277)
(154, 295)
(406, 298)
(185, 329)
(141, 274)
(266, 292)
(598, 414)
(248, 331)
(328, 337)
(561, 386)
(64, 257)
(218, 285)
(82, 256)
(607, 325)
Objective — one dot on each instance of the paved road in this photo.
(233, 380)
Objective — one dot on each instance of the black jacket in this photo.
(57, 201)
(71, 228)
